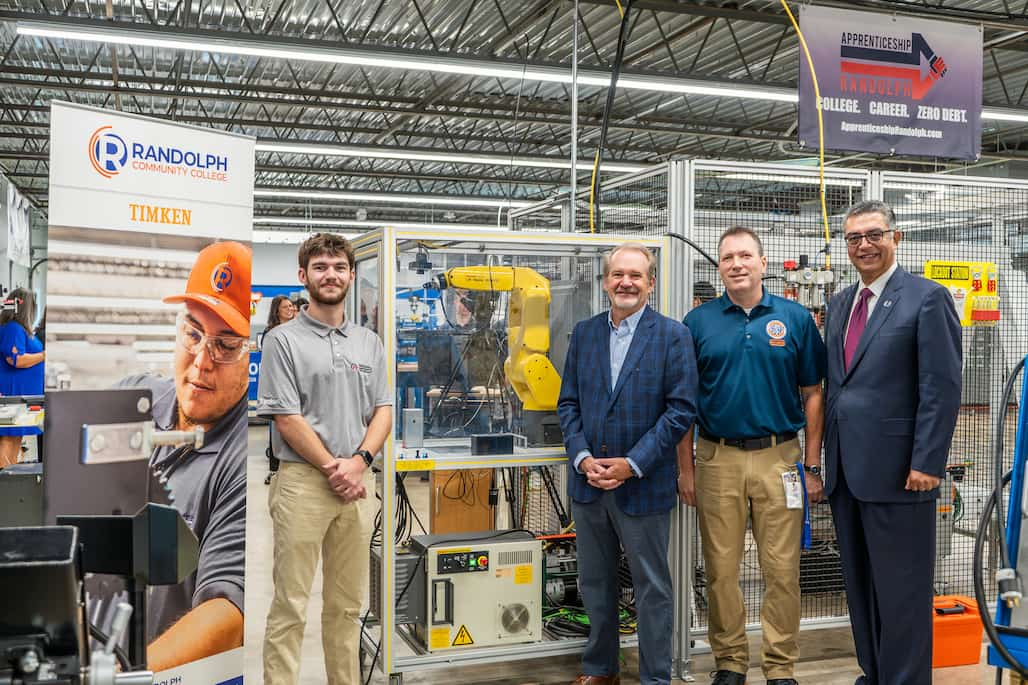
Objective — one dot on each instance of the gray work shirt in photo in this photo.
(334, 377)
(209, 487)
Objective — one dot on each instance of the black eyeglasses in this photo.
(873, 236)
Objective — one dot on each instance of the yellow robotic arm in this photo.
(530, 372)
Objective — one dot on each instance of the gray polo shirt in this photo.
(334, 377)
(209, 486)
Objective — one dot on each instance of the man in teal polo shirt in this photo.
(761, 361)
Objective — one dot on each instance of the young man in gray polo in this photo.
(323, 382)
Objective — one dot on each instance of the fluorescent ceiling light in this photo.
(439, 156)
(1004, 114)
(395, 59)
(138, 36)
(672, 85)
(344, 223)
(292, 237)
(771, 177)
(289, 237)
(392, 198)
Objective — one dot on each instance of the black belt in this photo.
(750, 444)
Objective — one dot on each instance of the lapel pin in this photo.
(887, 303)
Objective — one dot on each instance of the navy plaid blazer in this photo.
(644, 417)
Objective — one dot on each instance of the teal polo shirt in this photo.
(752, 366)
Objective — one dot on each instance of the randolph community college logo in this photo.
(880, 64)
(221, 277)
(107, 152)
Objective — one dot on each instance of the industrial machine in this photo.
(44, 631)
(482, 589)
(95, 481)
(528, 369)
(809, 285)
(1008, 632)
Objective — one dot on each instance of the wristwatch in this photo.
(367, 456)
(812, 470)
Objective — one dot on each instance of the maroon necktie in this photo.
(857, 324)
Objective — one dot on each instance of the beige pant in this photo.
(310, 520)
(731, 484)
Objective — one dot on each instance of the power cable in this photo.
(820, 134)
(619, 56)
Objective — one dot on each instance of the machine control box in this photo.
(482, 589)
(463, 562)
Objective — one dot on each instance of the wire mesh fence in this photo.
(941, 218)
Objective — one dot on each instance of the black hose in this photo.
(693, 246)
(615, 71)
(102, 637)
(997, 442)
(979, 582)
(993, 505)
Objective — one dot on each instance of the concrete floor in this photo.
(827, 654)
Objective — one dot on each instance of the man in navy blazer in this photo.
(627, 397)
(894, 372)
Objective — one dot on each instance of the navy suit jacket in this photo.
(644, 417)
(896, 407)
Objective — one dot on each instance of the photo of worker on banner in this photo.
(149, 340)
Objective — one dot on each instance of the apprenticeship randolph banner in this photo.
(892, 84)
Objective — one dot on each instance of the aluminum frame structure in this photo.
(382, 247)
(947, 217)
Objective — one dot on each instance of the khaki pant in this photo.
(310, 520)
(730, 485)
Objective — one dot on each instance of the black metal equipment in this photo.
(154, 547)
(42, 623)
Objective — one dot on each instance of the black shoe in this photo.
(782, 681)
(727, 678)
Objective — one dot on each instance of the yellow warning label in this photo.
(463, 638)
(415, 464)
(523, 575)
(440, 638)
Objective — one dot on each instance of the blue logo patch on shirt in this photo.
(238, 680)
(776, 330)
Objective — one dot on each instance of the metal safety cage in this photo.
(942, 218)
(782, 204)
(388, 261)
(962, 220)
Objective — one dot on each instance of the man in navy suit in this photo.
(627, 397)
(894, 364)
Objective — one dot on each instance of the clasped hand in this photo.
(606, 473)
(346, 478)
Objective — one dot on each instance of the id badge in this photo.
(793, 490)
